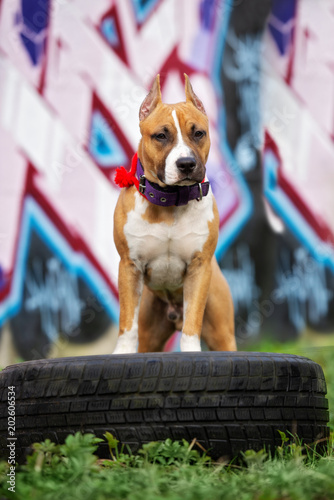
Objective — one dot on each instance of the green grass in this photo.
(176, 470)
(170, 470)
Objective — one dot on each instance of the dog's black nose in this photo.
(186, 164)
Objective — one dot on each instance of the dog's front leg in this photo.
(130, 286)
(195, 294)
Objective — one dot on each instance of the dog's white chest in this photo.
(165, 250)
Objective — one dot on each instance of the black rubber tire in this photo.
(229, 401)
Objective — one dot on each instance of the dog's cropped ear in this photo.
(192, 97)
(152, 99)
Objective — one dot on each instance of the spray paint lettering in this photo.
(55, 295)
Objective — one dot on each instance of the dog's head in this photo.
(175, 139)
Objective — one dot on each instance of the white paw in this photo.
(126, 343)
(190, 343)
(124, 350)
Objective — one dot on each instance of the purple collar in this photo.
(170, 195)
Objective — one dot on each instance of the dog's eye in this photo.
(199, 134)
(160, 137)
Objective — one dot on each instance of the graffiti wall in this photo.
(72, 76)
(277, 76)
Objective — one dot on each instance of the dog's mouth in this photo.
(190, 179)
(184, 181)
(187, 181)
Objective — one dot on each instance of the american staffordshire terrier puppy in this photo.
(166, 227)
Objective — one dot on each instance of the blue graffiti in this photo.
(242, 281)
(281, 23)
(208, 14)
(32, 22)
(291, 216)
(143, 8)
(55, 295)
(109, 31)
(34, 219)
(244, 69)
(304, 288)
(103, 144)
(232, 228)
(2, 278)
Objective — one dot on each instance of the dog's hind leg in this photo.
(218, 321)
(154, 327)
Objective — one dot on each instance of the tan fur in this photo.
(151, 154)
(209, 308)
(128, 275)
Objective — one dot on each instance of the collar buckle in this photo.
(142, 185)
(200, 192)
